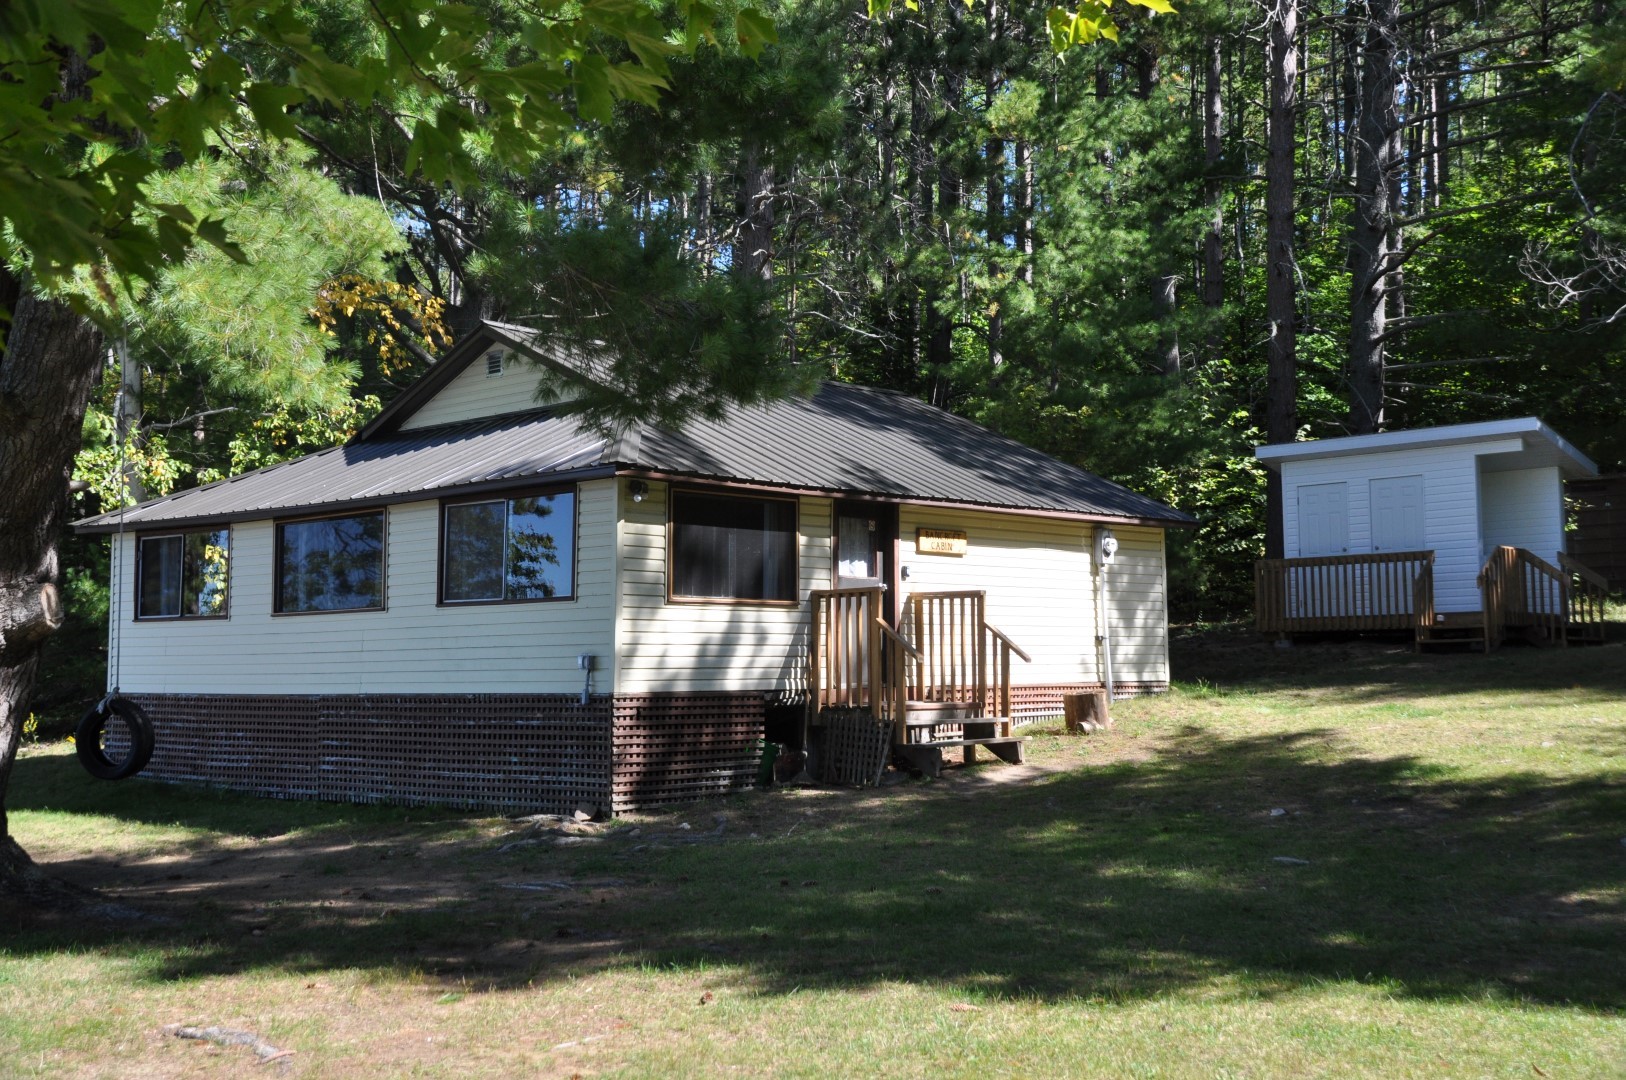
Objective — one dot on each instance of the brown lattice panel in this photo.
(522, 753)
(1030, 703)
(855, 748)
(673, 748)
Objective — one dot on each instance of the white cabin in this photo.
(478, 601)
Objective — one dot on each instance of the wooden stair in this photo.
(1459, 628)
(924, 749)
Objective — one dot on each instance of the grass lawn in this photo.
(1338, 859)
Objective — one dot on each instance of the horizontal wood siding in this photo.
(473, 394)
(413, 647)
(1522, 508)
(708, 646)
(1450, 501)
(1040, 582)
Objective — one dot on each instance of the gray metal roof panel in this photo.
(856, 439)
(844, 439)
(528, 446)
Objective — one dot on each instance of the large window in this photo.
(182, 575)
(509, 549)
(729, 547)
(331, 564)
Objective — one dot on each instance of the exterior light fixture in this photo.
(638, 490)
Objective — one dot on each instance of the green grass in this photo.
(1460, 907)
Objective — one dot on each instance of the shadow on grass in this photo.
(1164, 876)
(1380, 666)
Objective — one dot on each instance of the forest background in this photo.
(1244, 223)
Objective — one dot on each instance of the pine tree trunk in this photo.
(1213, 149)
(1281, 291)
(50, 362)
(753, 253)
(1377, 161)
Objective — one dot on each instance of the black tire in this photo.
(87, 740)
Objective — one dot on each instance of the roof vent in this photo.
(494, 364)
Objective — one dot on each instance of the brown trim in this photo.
(516, 493)
(276, 566)
(795, 550)
(788, 490)
(159, 534)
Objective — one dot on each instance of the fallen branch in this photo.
(231, 1037)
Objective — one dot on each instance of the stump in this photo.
(1086, 712)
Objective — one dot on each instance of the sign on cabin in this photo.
(940, 541)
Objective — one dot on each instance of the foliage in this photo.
(98, 93)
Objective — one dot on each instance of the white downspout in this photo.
(1106, 548)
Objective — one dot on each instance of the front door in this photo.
(866, 544)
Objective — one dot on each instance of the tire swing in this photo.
(91, 739)
(116, 722)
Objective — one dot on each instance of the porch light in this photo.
(638, 490)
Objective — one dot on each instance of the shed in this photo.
(1368, 519)
(480, 601)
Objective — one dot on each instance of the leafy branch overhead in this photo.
(1069, 24)
(96, 96)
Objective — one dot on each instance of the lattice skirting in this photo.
(513, 753)
(1030, 703)
(673, 748)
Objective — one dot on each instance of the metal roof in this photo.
(844, 440)
(1542, 445)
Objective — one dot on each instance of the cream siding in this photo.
(1522, 508)
(473, 394)
(698, 646)
(412, 647)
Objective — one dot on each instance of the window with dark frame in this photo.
(733, 547)
(509, 549)
(183, 575)
(331, 564)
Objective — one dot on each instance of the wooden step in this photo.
(939, 712)
(977, 727)
(928, 757)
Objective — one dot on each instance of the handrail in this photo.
(1521, 589)
(1584, 572)
(1013, 646)
(896, 638)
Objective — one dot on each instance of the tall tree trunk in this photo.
(994, 185)
(1377, 162)
(1213, 151)
(753, 251)
(127, 415)
(50, 362)
(1281, 285)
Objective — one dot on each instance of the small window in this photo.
(509, 549)
(331, 564)
(728, 547)
(494, 364)
(182, 576)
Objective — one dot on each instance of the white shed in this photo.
(1457, 494)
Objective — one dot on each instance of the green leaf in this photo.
(755, 31)
(593, 98)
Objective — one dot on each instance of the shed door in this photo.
(1397, 513)
(1323, 520)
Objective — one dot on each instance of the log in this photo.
(1086, 712)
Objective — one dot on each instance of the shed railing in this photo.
(1523, 591)
(961, 658)
(1588, 590)
(1341, 592)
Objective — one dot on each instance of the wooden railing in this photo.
(1422, 602)
(960, 657)
(1339, 592)
(1588, 590)
(896, 654)
(1521, 590)
(843, 662)
(947, 628)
